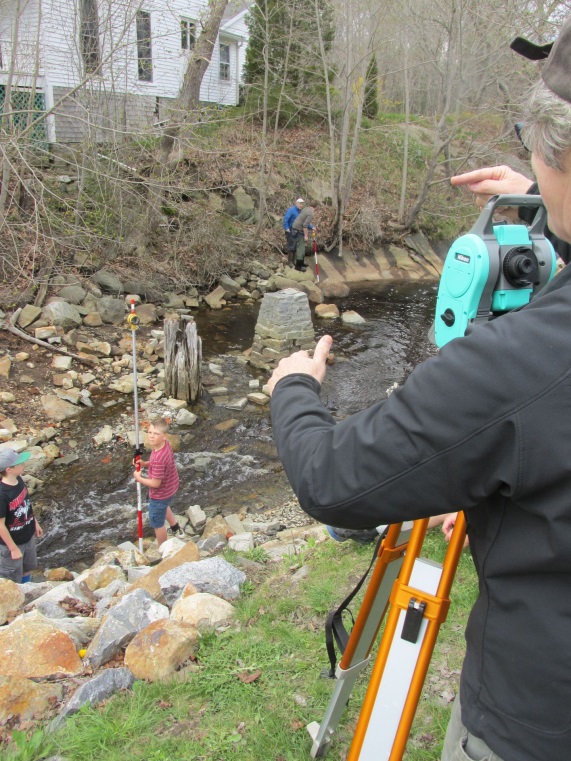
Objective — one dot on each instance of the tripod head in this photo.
(492, 269)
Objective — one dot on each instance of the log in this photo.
(183, 357)
(11, 328)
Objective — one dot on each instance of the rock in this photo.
(215, 525)
(258, 398)
(215, 299)
(213, 575)
(204, 611)
(327, 311)
(235, 524)
(101, 576)
(11, 599)
(276, 549)
(97, 348)
(185, 418)
(126, 558)
(63, 314)
(150, 582)
(58, 409)
(57, 574)
(212, 544)
(25, 700)
(334, 289)
(131, 614)
(7, 396)
(314, 292)
(103, 436)
(241, 542)
(72, 293)
(236, 404)
(45, 332)
(230, 286)
(28, 315)
(5, 367)
(171, 546)
(57, 593)
(147, 314)
(112, 310)
(34, 648)
(108, 282)
(176, 404)
(218, 391)
(96, 690)
(93, 320)
(156, 651)
(352, 318)
(197, 517)
(81, 629)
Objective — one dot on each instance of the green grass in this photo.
(258, 684)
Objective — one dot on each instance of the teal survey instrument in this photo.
(492, 269)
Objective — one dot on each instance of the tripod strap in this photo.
(335, 631)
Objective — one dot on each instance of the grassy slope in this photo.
(216, 714)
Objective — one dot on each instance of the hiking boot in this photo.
(178, 532)
(361, 536)
(300, 268)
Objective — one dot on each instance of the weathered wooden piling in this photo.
(183, 357)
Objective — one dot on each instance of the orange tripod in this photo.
(415, 591)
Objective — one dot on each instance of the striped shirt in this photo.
(163, 466)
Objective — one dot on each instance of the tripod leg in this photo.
(419, 604)
(363, 634)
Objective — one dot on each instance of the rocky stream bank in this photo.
(89, 623)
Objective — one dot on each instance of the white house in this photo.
(108, 67)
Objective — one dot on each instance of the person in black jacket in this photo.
(482, 427)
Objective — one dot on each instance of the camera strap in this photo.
(335, 631)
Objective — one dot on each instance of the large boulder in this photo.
(112, 310)
(213, 575)
(58, 409)
(72, 293)
(63, 314)
(11, 599)
(150, 582)
(33, 648)
(157, 650)
(96, 690)
(109, 282)
(204, 611)
(26, 700)
(132, 613)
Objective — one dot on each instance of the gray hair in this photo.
(547, 126)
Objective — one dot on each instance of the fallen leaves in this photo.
(249, 677)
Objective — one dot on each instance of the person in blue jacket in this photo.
(291, 235)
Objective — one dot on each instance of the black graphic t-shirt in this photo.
(16, 509)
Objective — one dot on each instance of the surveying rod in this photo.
(419, 605)
(133, 322)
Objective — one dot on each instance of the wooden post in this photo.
(183, 356)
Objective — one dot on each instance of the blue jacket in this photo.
(290, 216)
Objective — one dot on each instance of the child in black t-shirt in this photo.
(18, 526)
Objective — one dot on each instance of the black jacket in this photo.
(484, 427)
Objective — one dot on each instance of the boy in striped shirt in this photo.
(162, 480)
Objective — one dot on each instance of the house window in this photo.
(89, 35)
(224, 62)
(187, 34)
(144, 51)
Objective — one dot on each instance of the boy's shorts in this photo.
(158, 511)
(15, 569)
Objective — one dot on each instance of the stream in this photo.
(225, 470)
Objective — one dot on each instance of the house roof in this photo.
(234, 9)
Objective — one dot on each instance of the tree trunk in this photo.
(189, 95)
(183, 356)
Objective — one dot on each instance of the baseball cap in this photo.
(300, 200)
(556, 72)
(9, 458)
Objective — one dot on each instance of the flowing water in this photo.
(227, 470)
